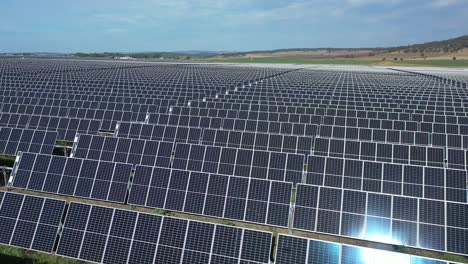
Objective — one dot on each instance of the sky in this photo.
(224, 25)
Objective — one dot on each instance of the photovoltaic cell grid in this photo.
(260, 126)
(415, 222)
(64, 126)
(244, 199)
(407, 180)
(106, 235)
(370, 102)
(257, 141)
(249, 115)
(14, 140)
(100, 180)
(108, 118)
(158, 132)
(296, 250)
(386, 152)
(30, 222)
(239, 162)
(394, 136)
(216, 137)
(322, 107)
(125, 150)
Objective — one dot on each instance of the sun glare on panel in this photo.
(373, 256)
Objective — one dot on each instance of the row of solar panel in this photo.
(242, 199)
(163, 95)
(297, 250)
(408, 87)
(356, 111)
(374, 176)
(304, 102)
(343, 89)
(107, 235)
(257, 141)
(307, 118)
(109, 118)
(394, 136)
(14, 140)
(345, 92)
(132, 151)
(415, 222)
(64, 126)
(239, 162)
(278, 98)
(30, 222)
(319, 109)
(170, 189)
(323, 91)
(43, 97)
(88, 145)
(393, 153)
(42, 108)
(408, 180)
(143, 96)
(235, 124)
(304, 129)
(100, 180)
(457, 111)
(136, 130)
(152, 89)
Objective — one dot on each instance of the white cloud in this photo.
(117, 30)
(367, 2)
(445, 3)
(119, 18)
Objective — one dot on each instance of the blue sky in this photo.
(224, 25)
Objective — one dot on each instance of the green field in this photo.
(433, 63)
(13, 255)
(293, 61)
(430, 63)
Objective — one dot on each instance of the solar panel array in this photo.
(30, 222)
(391, 178)
(99, 180)
(108, 235)
(415, 222)
(125, 150)
(375, 154)
(237, 198)
(14, 140)
(297, 250)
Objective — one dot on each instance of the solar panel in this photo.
(108, 235)
(14, 140)
(237, 198)
(259, 126)
(30, 222)
(257, 141)
(389, 178)
(239, 162)
(125, 150)
(64, 126)
(297, 250)
(383, 152)
(394, 158)
(393, 219)
(100, 180)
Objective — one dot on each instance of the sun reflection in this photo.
(374, 256)
(382, 238)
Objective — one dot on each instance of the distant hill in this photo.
(450, 45)
(445, 49)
